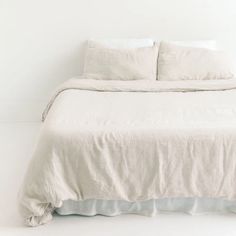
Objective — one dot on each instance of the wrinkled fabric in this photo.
(86, 83)
(132, 141)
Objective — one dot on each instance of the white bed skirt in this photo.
(193, 206)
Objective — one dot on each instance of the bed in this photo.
(112, 147)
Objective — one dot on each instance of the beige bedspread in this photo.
(133, 141)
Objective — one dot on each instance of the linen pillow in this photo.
(186, 63)
(121, 64)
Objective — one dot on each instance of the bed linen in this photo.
(189, 63)
(121, 64)
(132, 141)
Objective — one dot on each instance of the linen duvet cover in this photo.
(132, 141)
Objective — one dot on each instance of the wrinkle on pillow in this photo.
(188, 63)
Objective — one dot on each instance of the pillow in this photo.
(186, 63)
(121, 64)
(120, 43)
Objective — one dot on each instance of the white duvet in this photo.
(133, 141)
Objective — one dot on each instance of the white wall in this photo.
(41, 41)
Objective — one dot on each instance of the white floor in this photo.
(16, 145)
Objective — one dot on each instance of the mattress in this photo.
(133, 144)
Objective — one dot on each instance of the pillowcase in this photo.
(120, 43)
(121, 64)
(186, 63)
